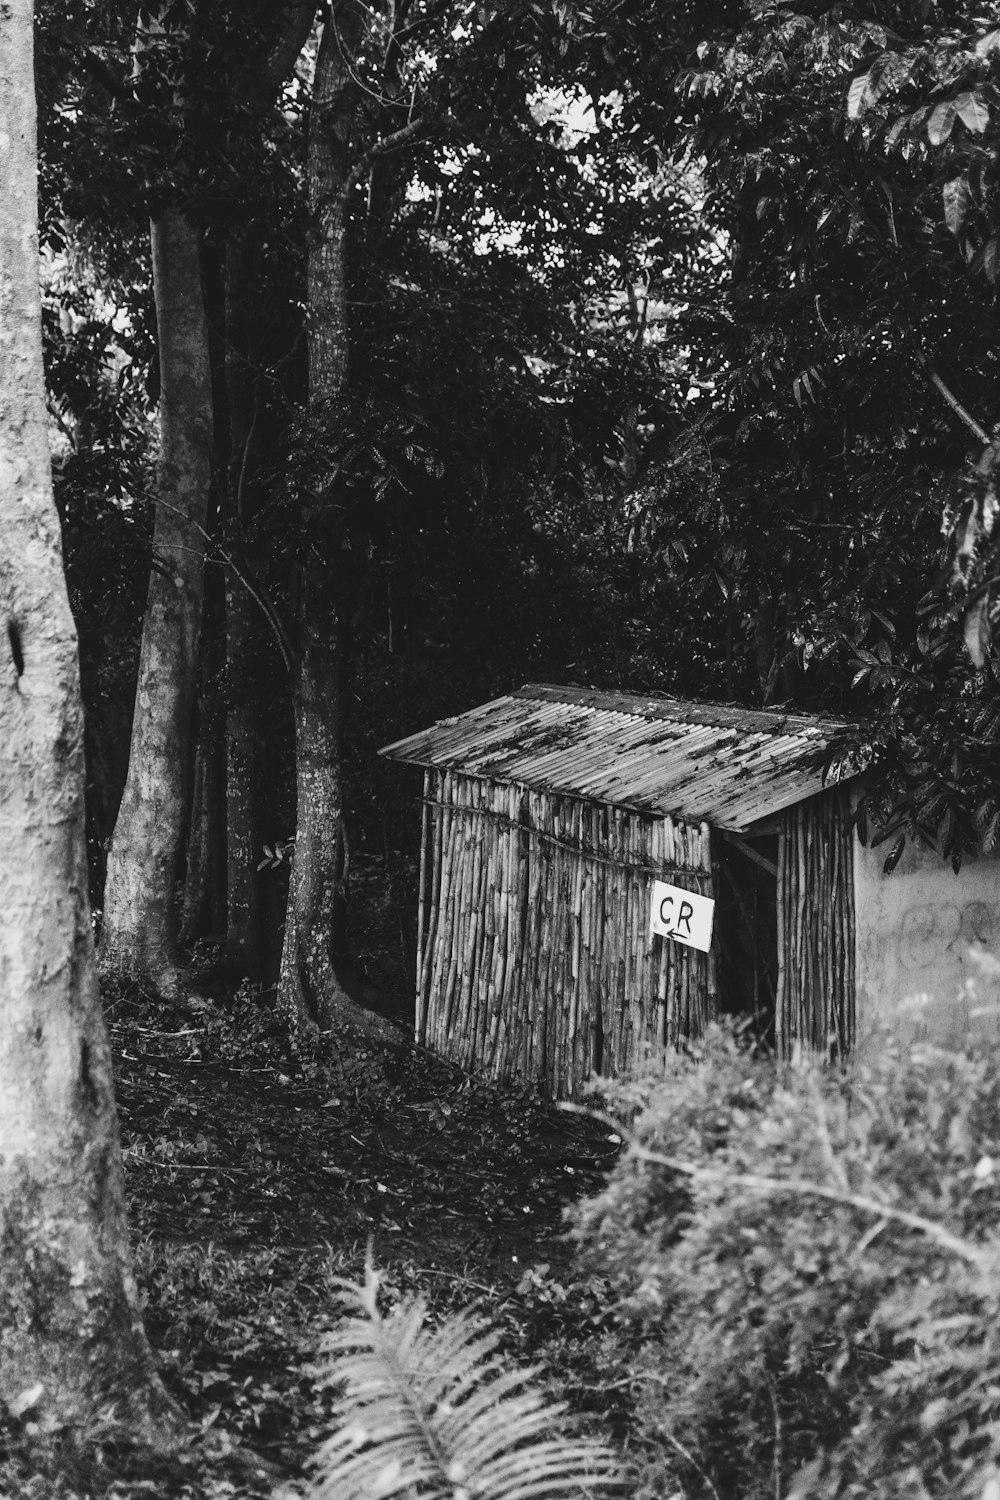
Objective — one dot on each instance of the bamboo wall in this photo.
(816, 1002)
(535, 958)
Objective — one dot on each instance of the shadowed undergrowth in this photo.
(253, 1182)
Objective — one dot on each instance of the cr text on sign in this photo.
(682, 915)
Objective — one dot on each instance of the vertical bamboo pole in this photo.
(508, 967)
(539, 1019)
(627, 948)
(570, 1063)
(661, 950)
(851, 987)
(457, 1020)
(601, 1003)
(529, 947)
(492, 830)
(828, 923)
(501, 936)
(561, 975)
(437, 966)
(836, 1041)
(451, 957)
(529, 973)
(589, 957)
(645, 998)
(672, 972)
(549, 956)
(626, 959)
(703, 960)
(807, 951)
(458, 1025)
(682, 957)
(782, 984)
(562, 935)
(467, 999)
(707, 887)
(448, 957)
(636, 1051)
(514, 978)
(422, 883)
(616, 936)
(489, 833)
(646, 1011)
(605, 932)
(433, 909)
(434, 912)
(623, 939)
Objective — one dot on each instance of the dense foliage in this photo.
(672, 349)
(836, 1336)
(858, 338)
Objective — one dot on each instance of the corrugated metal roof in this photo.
(701, 762)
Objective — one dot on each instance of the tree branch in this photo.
(984, 1260)
(258, 595)
(952, 400)
(388, 143)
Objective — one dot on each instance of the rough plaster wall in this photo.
(915, 929)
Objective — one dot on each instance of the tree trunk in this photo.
(310, 993)
(138, 936)
(264, 73)
(71, 1336)
(243, 948)
(202, 904)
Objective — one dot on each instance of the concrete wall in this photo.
(916, 929)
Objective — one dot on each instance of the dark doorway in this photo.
(746, 929)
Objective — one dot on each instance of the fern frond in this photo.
(438, 1414)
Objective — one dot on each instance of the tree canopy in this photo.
(671, 349)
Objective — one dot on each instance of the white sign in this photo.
(682, 915)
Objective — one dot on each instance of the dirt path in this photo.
(249, 1186)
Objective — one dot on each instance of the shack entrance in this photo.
(746, 924)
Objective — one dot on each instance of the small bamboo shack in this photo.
(548, 815)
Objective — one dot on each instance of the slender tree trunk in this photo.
(71, 1336)
(243, 924)
(262, 77)
(202, 905)
(138, 937)
(203, 895)
(309, 991)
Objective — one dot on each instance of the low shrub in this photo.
(805, 1275)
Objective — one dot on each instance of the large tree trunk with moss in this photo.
(71, 1337)
(138, 937)
(310, 992)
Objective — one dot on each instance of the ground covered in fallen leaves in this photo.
(253, 1184)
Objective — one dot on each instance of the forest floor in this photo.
(251, 1187)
